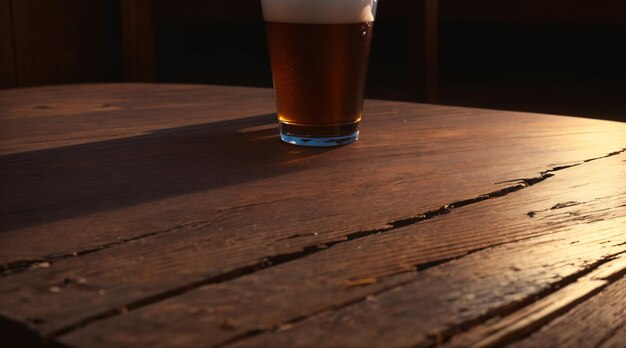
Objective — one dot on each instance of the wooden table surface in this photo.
(146, 215)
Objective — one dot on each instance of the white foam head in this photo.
(319, 11)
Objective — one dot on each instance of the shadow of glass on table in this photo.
(65, 182)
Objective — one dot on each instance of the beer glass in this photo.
(319, 50)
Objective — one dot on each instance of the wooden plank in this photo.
(185, 217)
(230, 212)
(588, 325)
(278, 296)
(289, 292)
(419, 314)
(159, 264)
(422, 29)
(121, 135)
(617, 339)
(528, 319)
(8, 72)
(138, 37)
(446, 299)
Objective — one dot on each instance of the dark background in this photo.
(549, 56)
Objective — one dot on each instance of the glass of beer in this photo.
(319, 51)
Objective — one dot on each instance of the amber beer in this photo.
(319, 67)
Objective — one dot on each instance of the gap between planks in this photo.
(525, 317)
(288, 257)
(531, 317)
(23, 265)
(521, 319)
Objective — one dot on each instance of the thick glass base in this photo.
(319, 135)
(320, 142)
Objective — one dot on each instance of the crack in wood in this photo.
(275, 260)
(506, 329)
(558, 168)
(563, 205)
(296, 320)
(417, 268)
(444, 209)
(250, 205)
(614, 153)
(445, 336)
(23, 265)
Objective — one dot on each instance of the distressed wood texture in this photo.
(175, 211)
(566, 238)
(600, 320)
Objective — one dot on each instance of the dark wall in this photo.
(558, 56)
(536, 11)
(61, 41)
(8, 77)
(221, 42)
(196, 41)
(224, 43)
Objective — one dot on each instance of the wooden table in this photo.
(172, 216)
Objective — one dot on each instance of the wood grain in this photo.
(617, 339)
(195, 138)
(590, 324)
(427, 311)
(530, 318)
(123, 196)
(278, 297)
(458, 294)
